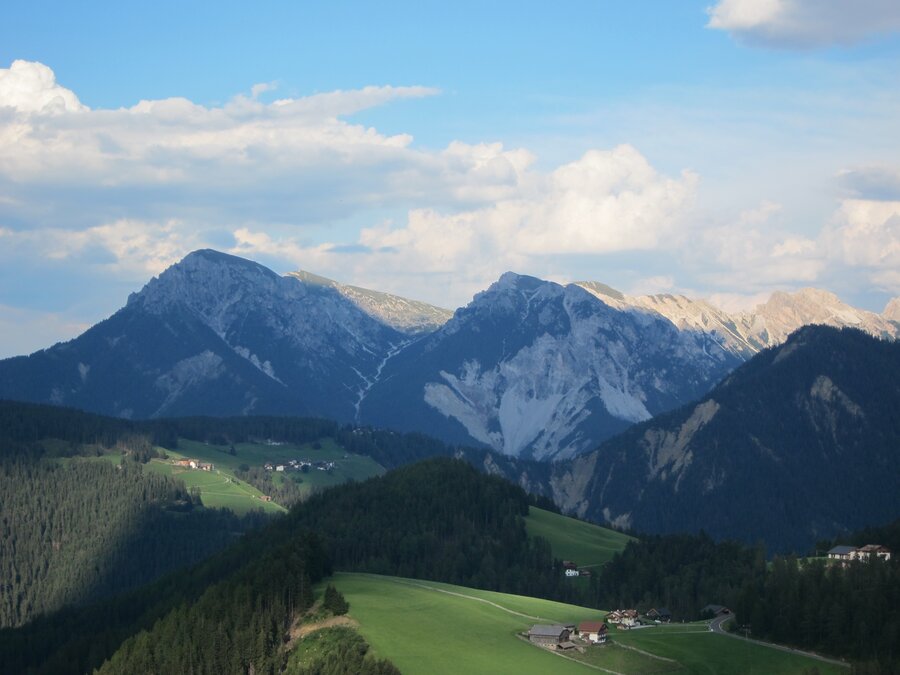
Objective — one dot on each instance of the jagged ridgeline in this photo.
(529, 368)
(438, 519)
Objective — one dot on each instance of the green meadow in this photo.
(347, 466)
(432, 632)
(221, 489)
(432, 628)
(585, 544)
(700, 651)
(218, 489)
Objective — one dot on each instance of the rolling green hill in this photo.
(586, 544)
(431, 628)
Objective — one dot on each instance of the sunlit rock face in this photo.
(767, 325)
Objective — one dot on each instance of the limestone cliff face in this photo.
(536, 370)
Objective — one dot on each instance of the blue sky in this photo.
(720, 149)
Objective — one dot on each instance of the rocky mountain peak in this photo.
(892, 310)
(785, 312)
(202, 281)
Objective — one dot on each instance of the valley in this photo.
(474, 338)
(549, 399)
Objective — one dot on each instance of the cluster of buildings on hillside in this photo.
(845, 554)
(194, 464)
(568, 636)
(299, 465)
(570, 569)
(571, 636)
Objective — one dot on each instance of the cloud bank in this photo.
(102, 199)
(134, 189)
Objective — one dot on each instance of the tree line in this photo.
(850, 611)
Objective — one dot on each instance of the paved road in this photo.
(716, 626)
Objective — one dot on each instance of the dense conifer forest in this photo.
(683, 573)
(440, 520)
(83, 530)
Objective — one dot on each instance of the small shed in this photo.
(662, 615)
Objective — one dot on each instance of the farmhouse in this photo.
(843, 553)
(877, 550)
(624, 618)
(715, 610)
(594, 631)
(548, 636)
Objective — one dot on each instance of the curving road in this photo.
(716, 626)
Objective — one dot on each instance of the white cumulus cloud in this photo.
(604, 202)
(31, 87)
(805, 23)
(865, 234)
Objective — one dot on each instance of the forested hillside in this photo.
(83, 518)
(439, 519)
(81, 530)
(31, 423)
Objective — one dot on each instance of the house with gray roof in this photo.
(843, 553)
(549, 635)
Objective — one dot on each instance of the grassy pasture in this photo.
(218, 489)
(585, 544)
(432, 628)
(347, 466)
(700, 651)
(221, 489)
(434, 633)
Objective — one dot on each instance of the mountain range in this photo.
(530, 368)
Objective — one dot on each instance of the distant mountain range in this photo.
(767, 325)
(529, 368)
(798, 444)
